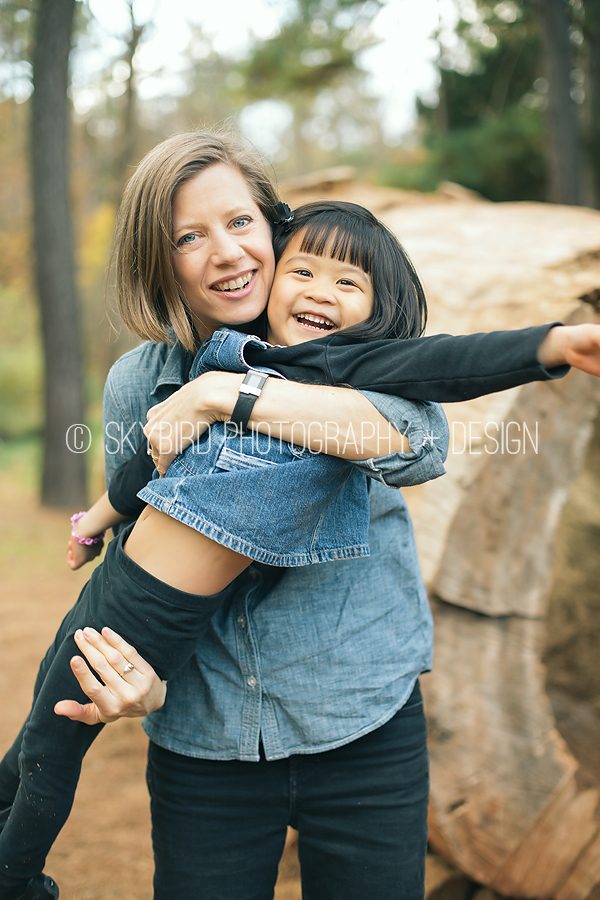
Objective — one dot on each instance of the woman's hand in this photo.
(131, 686)
(573, 345)
(183, 417)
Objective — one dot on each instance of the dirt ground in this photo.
(104, 851)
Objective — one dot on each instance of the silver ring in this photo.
(155, 457)
(128, 668)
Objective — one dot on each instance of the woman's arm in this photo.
(338, 421)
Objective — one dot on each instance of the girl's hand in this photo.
(79, 554)
(126, 692)
(574, 345)
(583, 348)
(183, 417)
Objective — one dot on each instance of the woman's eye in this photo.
(241, 221)
(186, 240)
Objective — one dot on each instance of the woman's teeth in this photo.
(317, 322)
(235, 285)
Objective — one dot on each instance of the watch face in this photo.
(255, 380)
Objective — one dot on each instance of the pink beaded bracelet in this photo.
(89, 542)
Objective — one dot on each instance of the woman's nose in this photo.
(225, 249)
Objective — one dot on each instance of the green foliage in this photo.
(312, 65)
(20, 367)
(501, 157)
(487, 132)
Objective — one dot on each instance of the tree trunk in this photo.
(563, 146)
(65, 435)
(592, 35)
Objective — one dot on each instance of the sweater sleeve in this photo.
(443, 368)
(129, 478)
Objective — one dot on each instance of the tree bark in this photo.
(65, 436)
(563, 146)
(592, 36)
(510, 806)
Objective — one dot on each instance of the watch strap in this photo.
(250, 390)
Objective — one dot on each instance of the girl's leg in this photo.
(51, 752)
(9, 766)
(362, 813)
(218, 827)
(180, 556)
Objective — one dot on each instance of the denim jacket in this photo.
(265, 498)
(303, 659)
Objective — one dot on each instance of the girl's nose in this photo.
(320, 290)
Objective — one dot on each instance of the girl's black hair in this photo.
(349, 232)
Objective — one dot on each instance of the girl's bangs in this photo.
(350, 241)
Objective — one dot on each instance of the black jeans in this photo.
(39, 774)
(219, 827)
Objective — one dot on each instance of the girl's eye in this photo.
(347, 281)
(241, 221)
(304, 272)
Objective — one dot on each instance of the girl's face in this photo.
(315, 295)
(223, 261)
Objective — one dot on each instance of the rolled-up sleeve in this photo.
(426, 429)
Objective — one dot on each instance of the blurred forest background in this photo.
(514, 116)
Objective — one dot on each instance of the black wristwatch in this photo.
(250, 390)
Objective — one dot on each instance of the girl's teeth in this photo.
(317, 320)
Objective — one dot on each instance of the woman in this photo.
(292, 713)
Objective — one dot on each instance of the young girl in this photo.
(223, 487)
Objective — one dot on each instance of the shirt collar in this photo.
(176, 368)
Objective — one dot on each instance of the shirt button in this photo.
(252, 682)
(242, 621)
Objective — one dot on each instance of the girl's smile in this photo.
(315, 295)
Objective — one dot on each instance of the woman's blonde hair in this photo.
(148, 297)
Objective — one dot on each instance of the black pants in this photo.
(219, 827)
(39, 774)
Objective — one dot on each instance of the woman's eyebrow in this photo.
(228, 214)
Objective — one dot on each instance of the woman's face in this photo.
(223, 261)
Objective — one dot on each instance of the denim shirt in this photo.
(303, 659)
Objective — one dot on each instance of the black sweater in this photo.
(443, 368)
